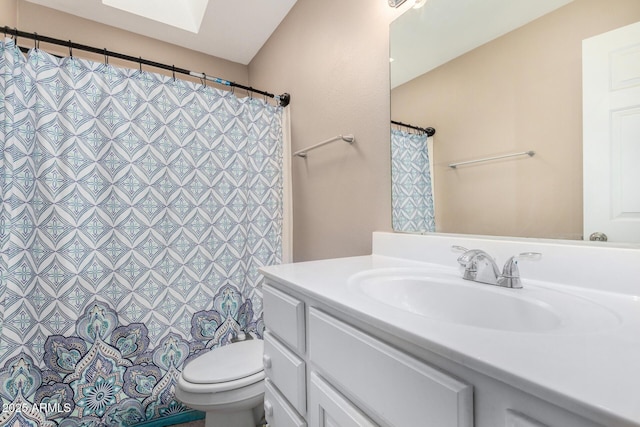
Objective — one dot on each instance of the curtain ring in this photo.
(70, 49)
(173, 70)
(36, 42)
(140, 63)
(106, 57)
(15, 36)
(204, 79)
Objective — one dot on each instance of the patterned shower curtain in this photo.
(411, 192)
(135, 210)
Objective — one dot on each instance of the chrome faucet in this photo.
(479, 266)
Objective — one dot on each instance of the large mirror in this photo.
(497, 78)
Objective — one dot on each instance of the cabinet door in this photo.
(330, 409)
(370, 371)
(515, 419)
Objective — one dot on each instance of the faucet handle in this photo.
(468, 260)
(510, 277)
(465, 258)
(467, 254)
(460, 249)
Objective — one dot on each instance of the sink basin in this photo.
(444, 296)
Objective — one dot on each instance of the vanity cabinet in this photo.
(325, 368)
(353, 378)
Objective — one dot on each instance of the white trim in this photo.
(287, 184)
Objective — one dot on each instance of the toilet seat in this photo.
(225, 368)
(219, 387)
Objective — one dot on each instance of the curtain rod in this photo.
(429, 131)
(282, 100)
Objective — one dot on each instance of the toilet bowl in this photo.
(226, 383)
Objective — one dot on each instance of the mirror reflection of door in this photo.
(611, 111)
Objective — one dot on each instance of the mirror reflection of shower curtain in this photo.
(411, 183)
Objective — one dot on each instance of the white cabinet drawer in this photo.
(277, 411)
(286, 371)
(328, 408)
(284, 316)
(372, 371)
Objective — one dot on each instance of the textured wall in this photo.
(333, 57)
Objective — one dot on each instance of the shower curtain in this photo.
(411, 192)
(135, 210)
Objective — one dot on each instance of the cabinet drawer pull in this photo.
(266, 361)
(268, 408)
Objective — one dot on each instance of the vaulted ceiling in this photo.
(233, 30)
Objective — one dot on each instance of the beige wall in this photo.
(332, 56)
(520, 92)
(8, 13)
(31, 17)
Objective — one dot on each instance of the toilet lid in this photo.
(228, 363)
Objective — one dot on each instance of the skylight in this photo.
(187, 16)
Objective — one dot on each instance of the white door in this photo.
(611, 134)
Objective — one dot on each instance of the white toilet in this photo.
(226, 383)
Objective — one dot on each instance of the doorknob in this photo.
(598, 237)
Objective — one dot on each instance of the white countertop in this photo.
(592, 373)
